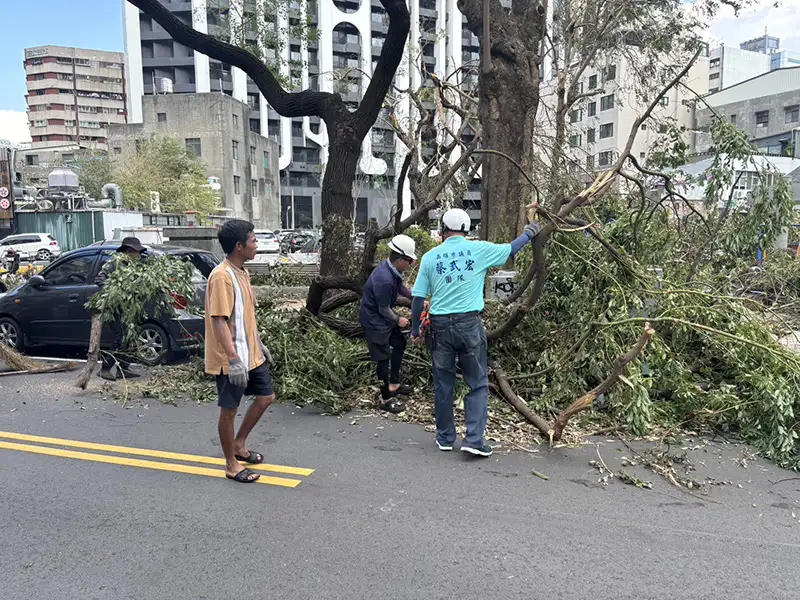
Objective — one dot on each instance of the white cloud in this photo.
(780, 21)
(14, 126)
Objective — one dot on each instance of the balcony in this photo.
(168, 61)
(48, 68)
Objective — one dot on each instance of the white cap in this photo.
(456, 219)
(402, 244)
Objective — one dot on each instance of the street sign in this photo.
(4, 203)
(3, 192)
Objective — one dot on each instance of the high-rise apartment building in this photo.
(601, 124)
(766, 44)
(73, 95)
(350, 36)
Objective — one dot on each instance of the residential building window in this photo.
(611, 72)
(606, 130)
(254, 187)
(592, 109)
(266, 160)
(255, 125)
(162, 117)
(607, 102)
(193, 146)
(590, 135)
(733, 119)
(590, 162)
(713, 76)
(762, 118)
(253, 155)
(662, 128)
(236, 184)
(32, 160)
(575, 116)
(664, 101)
(604, 158)
(593, 82)
(575, 140)
(792, 113)
(252, 102)
(644, 126)
(714, 62)
(235, 120)
(235, 146)
(641, 155)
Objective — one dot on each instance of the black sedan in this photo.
(50, 308)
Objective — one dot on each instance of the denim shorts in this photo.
(259, 383)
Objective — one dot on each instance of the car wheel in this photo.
(44, 254)
(153, 344)
(11, 333)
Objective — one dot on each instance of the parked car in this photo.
(32, 246)
(268, 242)
(49, 309)
(294, 240)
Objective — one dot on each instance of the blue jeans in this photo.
(462, 337)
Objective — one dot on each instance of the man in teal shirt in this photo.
(453, 274)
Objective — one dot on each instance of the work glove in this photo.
(237, 374)
(532, 229)
(267, 353)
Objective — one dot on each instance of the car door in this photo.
(55, 313)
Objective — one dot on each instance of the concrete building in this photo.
(766, 107)
(729, 66)
(600, 126)
(215, 128)
(350, 34)
(766, 44)
(73, 95)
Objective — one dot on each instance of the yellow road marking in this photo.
(136, 462)
(208, 460)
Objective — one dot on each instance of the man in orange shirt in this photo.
(234, 351)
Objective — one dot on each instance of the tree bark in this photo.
(94, 352)
(346, 130)
(508, 101)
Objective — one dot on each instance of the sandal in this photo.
(392, 406)
(244, 476)
(404, 390)
(252, 458)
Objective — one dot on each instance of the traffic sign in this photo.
(4, 203)
(3, 192)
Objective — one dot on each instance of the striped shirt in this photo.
(230, 295)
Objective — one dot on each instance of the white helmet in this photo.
(456, 219)
(402, 244)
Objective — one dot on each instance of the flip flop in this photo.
(252, 458)
(244, 476)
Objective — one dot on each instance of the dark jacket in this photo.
(380, 296)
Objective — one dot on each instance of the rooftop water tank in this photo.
(63, 180)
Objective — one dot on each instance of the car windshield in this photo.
(265, 236)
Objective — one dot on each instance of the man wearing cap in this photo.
(382, 325)
(130, 250)
(453, 275)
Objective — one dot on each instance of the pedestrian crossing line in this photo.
(136, 462)
(208, 460)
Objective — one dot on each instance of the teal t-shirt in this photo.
(454, 273)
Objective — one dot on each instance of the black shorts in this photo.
(259, 383)
(380, 343)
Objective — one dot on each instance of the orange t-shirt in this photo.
(230, 295)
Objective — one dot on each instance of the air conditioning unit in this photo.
(155, 203)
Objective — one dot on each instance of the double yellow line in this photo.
(145, 464)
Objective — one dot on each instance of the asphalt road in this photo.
(384, 515)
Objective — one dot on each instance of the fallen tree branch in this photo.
(586, 401)
(94, 352)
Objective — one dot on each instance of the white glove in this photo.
(237, 374)
(267, 353)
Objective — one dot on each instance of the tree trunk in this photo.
(94, 352)
(508, 102)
